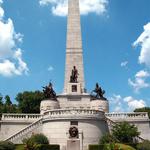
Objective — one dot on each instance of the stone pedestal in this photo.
(73, 144)
(48, 104)
(100, 104)
(74, 89)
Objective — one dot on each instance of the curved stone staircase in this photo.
(26, 132)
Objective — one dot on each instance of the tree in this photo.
(29, 102)
(144, 109)
(1, 105)
(125, 132)
(7, 100)
(1, 99)
(8, 106)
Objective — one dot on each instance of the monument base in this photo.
(73, 144)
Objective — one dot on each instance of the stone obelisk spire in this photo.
(74, 56)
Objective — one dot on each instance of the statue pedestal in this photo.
(74, 88)
(73, 144)
(48, 104)
(100, 104)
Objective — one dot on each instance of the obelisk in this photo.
(74, 54)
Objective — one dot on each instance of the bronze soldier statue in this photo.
(74, 75)
(49, 92)
(99, 92)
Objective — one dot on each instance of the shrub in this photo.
(47, 147)
(29, 145)
(144, 146)
(39, 139)
(107, 138)
(34, 140)
(5, 145)
(111, 146)
(95, 147)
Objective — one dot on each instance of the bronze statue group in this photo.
(49, 92)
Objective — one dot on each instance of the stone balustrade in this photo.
(76, 113)
(128, 116)
(20, 117)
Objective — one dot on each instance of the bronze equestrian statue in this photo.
(48, 91)
(99, 92)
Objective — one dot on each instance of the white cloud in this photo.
(142, 74)
(7, 68)
(1, 13)
(124, 64)
(144, 41)
(11, 62)
(116, 101)
(140, 81)
(60, 7)
(134, 103)
(22, 66)
(50, 68)
(7, 41)
(119, 103)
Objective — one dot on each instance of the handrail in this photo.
(125, 115)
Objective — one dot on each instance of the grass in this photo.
(19, 147)
(125, 147)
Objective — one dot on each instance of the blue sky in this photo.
(116, 45)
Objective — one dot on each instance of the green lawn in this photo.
(20, 147)
(125, 147)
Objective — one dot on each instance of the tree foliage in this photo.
(144, 109)
(125, 132)
(1, 104)
(7, 106)
(29, 102)
(1, 99)
(7, 100)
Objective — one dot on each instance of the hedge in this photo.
(39, 147)
(120, 147)
(47, 147)
(6, 145)
(95, 147)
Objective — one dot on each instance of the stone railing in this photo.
(75, 113)
(20, 117)
(128, 116)
(24, 131)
